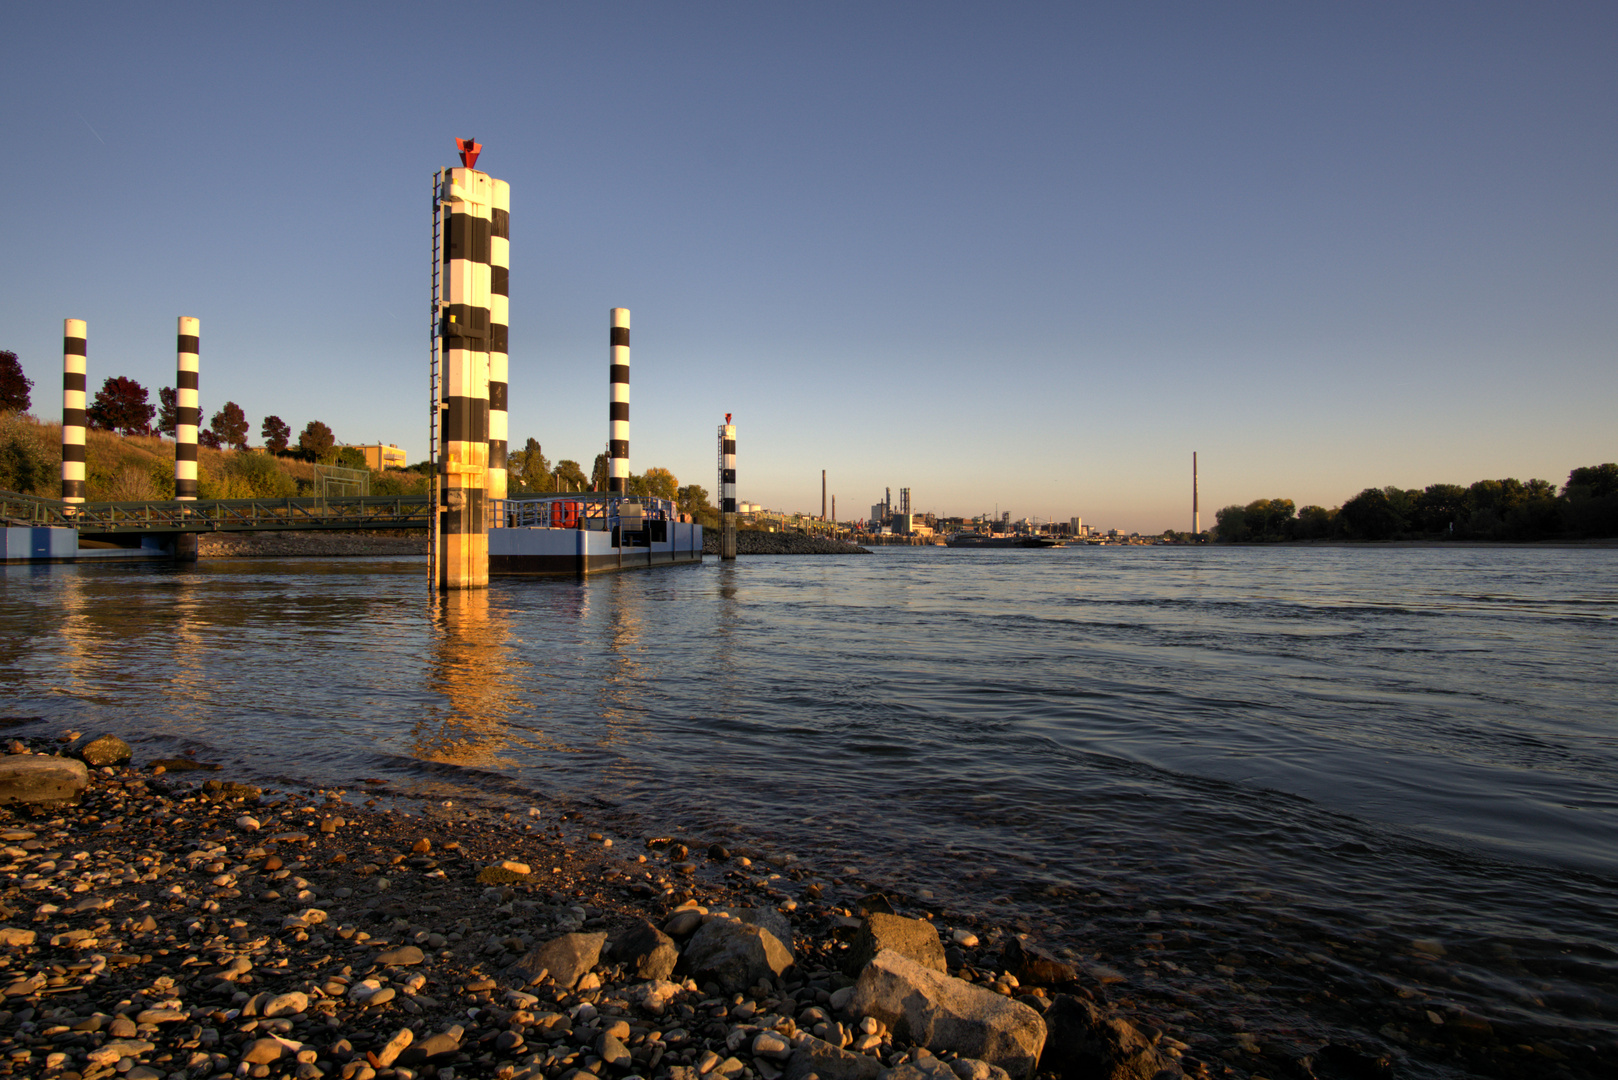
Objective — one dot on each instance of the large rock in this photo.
(567, 958)
(105, 750)
(944, 1013)
(1034, 966)
(38, 778)
(927, 1068)
(769, 918)
(734, 954)
(647, 952)
(1083, 1043)
(814, 1057)
(916, 939)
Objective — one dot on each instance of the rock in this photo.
(264, 1051)
(1033, 965)
(682, 923)
(942, 1013)
(610, 1049)
(1083, 1043)
(567, 958)
(161, 1016)
(964, 938)
(769, 1044)
(122, 1027)
(927, 1068)
(395, 1046)
(403, 956)
(814, 1057)
(286, 1004)
(16, 938)
(770, 919)
(247, 823)
(113, 1052)
(443, 1044)
(874, 904)
(104, 751)
(734, 954)
(39, 778)
(647, 952)
(916, 939)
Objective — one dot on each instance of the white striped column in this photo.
(74, 353)
(187, 408)
(727, 489)
(464, 452)
(618, 444)
(499, 309)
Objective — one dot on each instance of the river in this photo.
(1355, 793)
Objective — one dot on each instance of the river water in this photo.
(1289, 794)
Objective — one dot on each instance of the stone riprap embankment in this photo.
(274, 545)
(158, 923)
(757, 542)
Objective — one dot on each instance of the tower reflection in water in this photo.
(473, 674)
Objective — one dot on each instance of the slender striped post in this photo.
(618, 410)
(727, 489)
(499, 361)
(464, 457)
(187, 409)
(74, 354)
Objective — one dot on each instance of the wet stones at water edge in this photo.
(41, 779)
(915, 939)
(104, 750)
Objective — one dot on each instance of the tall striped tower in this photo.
(499, 307)
(727, 489)
(468, 198)
(618, 444)
(74, 352)
(187, 409)
(1196, 514)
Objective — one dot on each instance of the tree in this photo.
(316, 441)
(1269, 519)
(276, 434)
(693, 499)
(1232, 525)
(168, 410)
(571, 476)
(1594, 481)
(350, 457)
(1314, 523)
(207, 438)
(527, 470)
(231, 426)
(1371, 515)
(121, 405)
(598, 474)
(659, 483)
(14, 385)
(1439, 506)
(25, 467)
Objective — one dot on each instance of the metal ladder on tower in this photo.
(435, 412)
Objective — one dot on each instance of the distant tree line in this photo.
(529, 472)
(1510, 509)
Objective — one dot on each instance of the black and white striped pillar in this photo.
(618, 444)
(499, 361)
(187, 408)
(468, 197)
(74, 352)
(727, 489)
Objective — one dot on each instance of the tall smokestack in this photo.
(822, 494)
(1196, 516)
(618, 446)
(187, 407)
(74, 351)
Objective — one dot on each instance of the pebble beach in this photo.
(164, 922)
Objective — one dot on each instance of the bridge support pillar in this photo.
(185, 547)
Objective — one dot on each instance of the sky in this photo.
(1022, 257)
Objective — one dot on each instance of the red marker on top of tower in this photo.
(470, 149)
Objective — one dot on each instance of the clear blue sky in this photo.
(1022, 255)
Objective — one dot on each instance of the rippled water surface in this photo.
(1363, 791)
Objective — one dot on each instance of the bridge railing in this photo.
(218, 515)
(581, 510)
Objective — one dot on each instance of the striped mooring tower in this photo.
(464, 214)
(618, 408)
(727, 489)
(187, 409)
(499, 313)
(74, 352)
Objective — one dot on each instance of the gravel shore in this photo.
(173, 924)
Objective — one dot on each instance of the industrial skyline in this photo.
(1037, 255)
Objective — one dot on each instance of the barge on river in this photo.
(589, 534)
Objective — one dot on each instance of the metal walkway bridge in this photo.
(169, 517)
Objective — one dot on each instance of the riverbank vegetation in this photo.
(1501, 510)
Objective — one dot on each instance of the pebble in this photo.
(247, 823)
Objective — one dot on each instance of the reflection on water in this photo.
(1263, 782)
